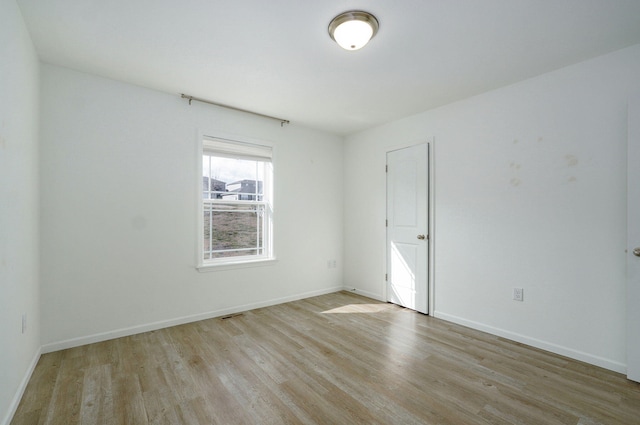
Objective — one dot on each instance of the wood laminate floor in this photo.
(333, 359)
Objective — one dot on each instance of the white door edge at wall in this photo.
(633, 240)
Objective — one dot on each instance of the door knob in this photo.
(636, 252)
(422, 237)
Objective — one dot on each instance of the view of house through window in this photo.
(236, 201)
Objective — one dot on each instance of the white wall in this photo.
(18, 207)
(529, 192)
(120, 183)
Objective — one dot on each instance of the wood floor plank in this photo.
(97, 396)
(64, 407)
(129, 407)
(334, 359)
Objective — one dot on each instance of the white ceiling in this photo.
(276, 57)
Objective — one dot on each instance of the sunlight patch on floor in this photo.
(360, 308)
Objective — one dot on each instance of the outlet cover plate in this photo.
(518, 294)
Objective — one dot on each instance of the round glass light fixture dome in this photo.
(352, 30)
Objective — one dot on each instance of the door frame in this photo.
(632, 284)
(431, 220)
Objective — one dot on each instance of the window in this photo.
(237, 182)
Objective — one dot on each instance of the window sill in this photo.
(230, 265)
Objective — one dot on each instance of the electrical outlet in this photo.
(518, 294)
(24, 322)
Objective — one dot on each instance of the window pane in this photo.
(233, 230)
(232, 179)
(207, 233)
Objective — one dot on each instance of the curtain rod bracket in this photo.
(197, 99)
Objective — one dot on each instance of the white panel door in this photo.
(407, 227)
(633, 242)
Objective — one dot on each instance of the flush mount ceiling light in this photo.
(353, 29)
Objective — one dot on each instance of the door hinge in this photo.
(386, 168)
(386, 277)
(386, 223)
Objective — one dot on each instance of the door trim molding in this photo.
(431, 284)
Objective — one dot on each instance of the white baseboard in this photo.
(364, 293)
(20, 391)
(544, 345)
(118, 333)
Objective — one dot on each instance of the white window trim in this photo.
(230, 265)
(230, 262)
